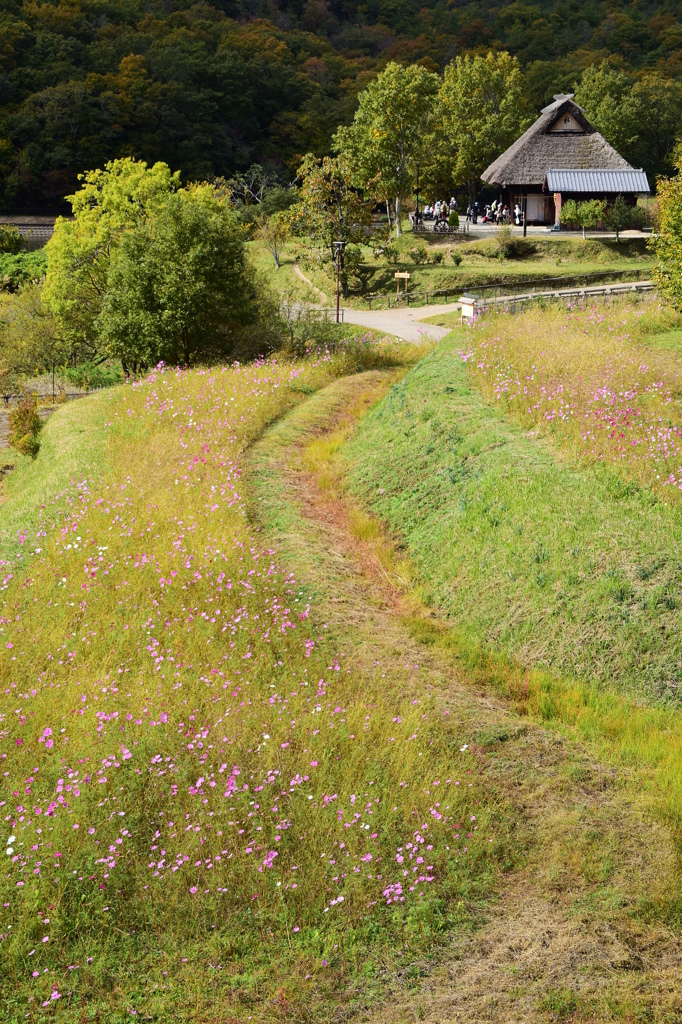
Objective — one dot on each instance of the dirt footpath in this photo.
(561, 937)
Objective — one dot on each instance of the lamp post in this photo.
(416, 213)
(339, 246)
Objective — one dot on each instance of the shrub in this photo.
(419, 255)
(24, 427)
(10, 239)
(639, 217)
(453, 219)
(456, 257)
(587, 214)
(90, 375)
(437, 257)
(17, 269)
(505, 243)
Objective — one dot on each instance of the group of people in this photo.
(489, 213)
(494, 213)
(440, 210)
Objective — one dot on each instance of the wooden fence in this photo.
(513, 302)
(499, 288)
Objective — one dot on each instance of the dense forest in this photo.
(213, 87)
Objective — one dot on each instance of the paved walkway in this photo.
(403, 323)
(407, 323)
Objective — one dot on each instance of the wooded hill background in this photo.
(212, 88)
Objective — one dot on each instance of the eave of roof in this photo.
(592, 179)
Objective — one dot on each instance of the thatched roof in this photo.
(561, 137)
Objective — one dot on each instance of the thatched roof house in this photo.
(561, 140)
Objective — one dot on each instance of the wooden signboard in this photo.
(468, 306)
(405, 276)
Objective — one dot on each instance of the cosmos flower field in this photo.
(201, 795)
(586, 376)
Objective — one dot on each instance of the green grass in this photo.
(208, 801)
(568, 568)
(186, 623)
(541, 258)
(73, 450)
(583, 849)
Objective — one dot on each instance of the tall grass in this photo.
(203, 799)
(587, 378)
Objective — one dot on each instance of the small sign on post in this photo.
(403, 275)
(468, 307)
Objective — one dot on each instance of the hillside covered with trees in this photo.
(214, 88)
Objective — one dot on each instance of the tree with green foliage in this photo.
(640, 117)
(391, 136)
(257, 194)
(605, 94)
(274, 232)
(119, 198)
(667, 242)
(18, 269)
(481, 112)
(179, 288)
(587, 214)
(215, 88)
(618, 216)
(330, 210)
(30, 342)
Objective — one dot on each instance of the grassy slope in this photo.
(73, 451)
(175, 694)
(546, 258)
(581, 851)
(161, 670)
(559, 566)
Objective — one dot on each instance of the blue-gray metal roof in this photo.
(595, 180)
